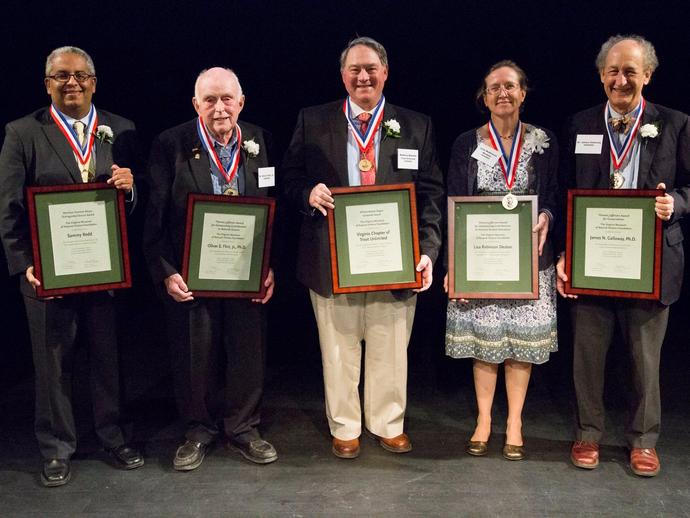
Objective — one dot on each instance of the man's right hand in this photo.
(177, 288)
(320, 198)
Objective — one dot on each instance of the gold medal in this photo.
(617, 180)
(231, 192)
(509, 201)
(365, 165)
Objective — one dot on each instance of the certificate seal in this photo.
(509, 201)
(364, 165)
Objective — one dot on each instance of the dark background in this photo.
(147, 56)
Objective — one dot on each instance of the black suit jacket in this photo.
(179, 165)
(665, 158)
(318, 154)
(35, 152)
(542, 178)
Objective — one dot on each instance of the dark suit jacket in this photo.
(318, 154)
(174, 172)
(542, 178)
(665, 158)
(36, 153)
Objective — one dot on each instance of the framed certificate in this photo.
(492, 251)
(613, 245)
(227, 245)
(374, 238)
(79, 238)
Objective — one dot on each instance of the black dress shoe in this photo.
(257, 450)
(189, 455)
(55, 472)
(127, 457)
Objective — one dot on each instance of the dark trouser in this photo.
(643, 326)
(218, 351)
(53, 325)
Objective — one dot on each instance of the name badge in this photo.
(408, 159)
(588, 144)
(267, 177)
(486, 155)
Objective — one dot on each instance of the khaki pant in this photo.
(385, 324)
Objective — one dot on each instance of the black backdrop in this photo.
(147, 55)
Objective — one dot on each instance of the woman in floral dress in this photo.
(517, 333)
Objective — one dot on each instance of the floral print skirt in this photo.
(496, 330)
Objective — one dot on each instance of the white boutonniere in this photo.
(536, 141)
(392, 128)
(104, 134)
(649, 130)
(251, 147)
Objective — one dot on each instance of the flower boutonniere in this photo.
(536, 141)
(251, 147)
(650, 130)
(104, 134)
(392, 128)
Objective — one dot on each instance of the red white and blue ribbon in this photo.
(83, 153)
(364, 140)
(619, 157)
(508, 163)
(206, 141)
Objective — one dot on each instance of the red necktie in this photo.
(367, 177)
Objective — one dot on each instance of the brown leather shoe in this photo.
(398, 444)
(585, 454)
(644, 462)
(513, 452)
(345, 449)
(477, 448)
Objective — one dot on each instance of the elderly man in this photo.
(51, 147)
(642, 146)
(350, 143)
(211, 154)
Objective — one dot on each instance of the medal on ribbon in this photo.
(364, 140)
(619, 151)
(229, 173)
(83, 153)
(508, 163)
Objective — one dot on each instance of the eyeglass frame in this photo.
(496, 89)
(70, 76)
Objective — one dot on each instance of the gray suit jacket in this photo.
(665, 158)
(318, 154)
(36, 153)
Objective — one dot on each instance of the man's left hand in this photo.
(121, 178)
(270, 284)
(426, 267)
(664, 204)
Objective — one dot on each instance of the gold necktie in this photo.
(85, 169)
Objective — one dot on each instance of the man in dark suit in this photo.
(640, 146)
(350, 143)
(52, 147)
(212, 154)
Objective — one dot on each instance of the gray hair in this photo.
(648, 52)
(90, 68)
(367, 42)
(205, 70)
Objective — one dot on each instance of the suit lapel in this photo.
(61, 147)
(104, 151)
(338, 134)
(648, 146)
(249, 168)
(387, 149)
(605, 155)
(200, 165)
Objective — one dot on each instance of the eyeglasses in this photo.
(64, 77)
(496, 89)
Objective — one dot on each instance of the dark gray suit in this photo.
(666, 159)
(36, 153)
(205, 334)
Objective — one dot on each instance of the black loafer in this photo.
(127, 457)
(189, 456)
(56, 472)
(257, 450)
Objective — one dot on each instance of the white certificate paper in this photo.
(226, 246)
(613, 246)
(493, 247)
(79, 233)
(373, 233)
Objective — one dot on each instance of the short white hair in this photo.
(204, 71)
(90, 68)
